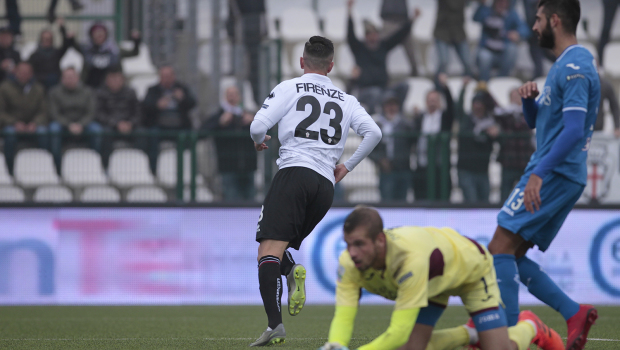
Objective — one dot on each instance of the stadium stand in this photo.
(100, 194)
(5, 177)
(81, 167)
(146, 194)
(52, 194)
(11, 194)
(129, 167)
(35, 167)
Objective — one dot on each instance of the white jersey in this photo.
(313, 118)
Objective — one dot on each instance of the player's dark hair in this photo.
(569, 12)
(318, 53)
(366, 217)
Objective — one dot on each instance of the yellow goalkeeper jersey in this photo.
(421, 263)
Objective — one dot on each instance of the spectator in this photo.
(166, 107)
(476, 135)
(46, 59)
(608, 93)
(433, 121)
(102, 53)
(246, 24)
(118, 111)
(22, 110)
(502, 29)
(14, 17)
(72, 112)
(392, 154)
(371, 57)
(394, 14)
(236, 156)
(76, 5)
(450, 31)
(9, 58)
(516, 143)
(609, 11)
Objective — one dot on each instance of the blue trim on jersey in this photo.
(574, 121)
(430, 314)
(491, 319)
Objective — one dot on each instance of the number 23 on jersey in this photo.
(302, 131)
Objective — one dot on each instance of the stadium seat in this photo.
(593, 49)
(540, 82)
(82, 166)
(129, 167)
(72, 59)
(205, 60)
(611, 54)
(100, 194)
(35, 167)
(364, 175)
(416, 96)
(455, 85)
(366, 195)
(167, 168)
(398, 62)
(345, 61)
(142, 83)
(425, 24)
(138, 65)
(203, 194)
(52, 194)
(28, 49)
(11, 194)
(335, 24)
(500, 89)
(146, 194)
(339, 83)
(298, 24)
(5, 177)
(473, 30)
(593, 16)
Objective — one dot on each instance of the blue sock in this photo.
(543, 288)
(508, 282)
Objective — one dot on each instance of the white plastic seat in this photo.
(82, 166)
(11, 194)
(364, 175)
(335, 24)
(203, 194)
(540, 81)
(398, 62)
(35, 167)
(142, 83)
(167, 168)
(500, 89)
(344, 60)
(129, 167)
(146, 194)
(52, 194)
(5, 177)
(416, 96)
(593, 49)
(138, 65)
(365, 195)
(100, 194)
(339, 83)
(72, 58)
(27, 50)
(298, 24)
(455, 85)
(425, 24)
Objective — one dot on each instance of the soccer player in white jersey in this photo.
(313, 118)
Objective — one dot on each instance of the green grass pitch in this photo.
(219, 327)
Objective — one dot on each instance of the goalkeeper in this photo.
(420, 268)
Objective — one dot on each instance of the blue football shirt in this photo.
(572, 84)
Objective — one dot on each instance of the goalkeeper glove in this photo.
(333, 346)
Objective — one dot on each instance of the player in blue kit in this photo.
(563, 113)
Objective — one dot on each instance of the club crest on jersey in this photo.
(545, 97)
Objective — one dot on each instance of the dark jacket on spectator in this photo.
(373, 62)
(8, 53)
(394, 10)
(475, 145)
(175, 118)
(450, 23)
(516, 141)
(235, 153)
(396, 148)
(113, 108)
(45, 61)
(22, 103)
(607, 93)
(72, 106)
(98, 60)
(447, 119)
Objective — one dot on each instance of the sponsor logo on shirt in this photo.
(573, 66)
(405, 277)
(575, 76)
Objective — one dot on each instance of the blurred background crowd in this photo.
(151, 100)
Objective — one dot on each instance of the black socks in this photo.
(269, 272)
(287, 263)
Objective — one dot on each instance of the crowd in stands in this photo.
(47, 107)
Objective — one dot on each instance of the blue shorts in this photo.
(558, 196)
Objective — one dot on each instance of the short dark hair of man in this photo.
(318, 53)
(367, 217)
(569, 12)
